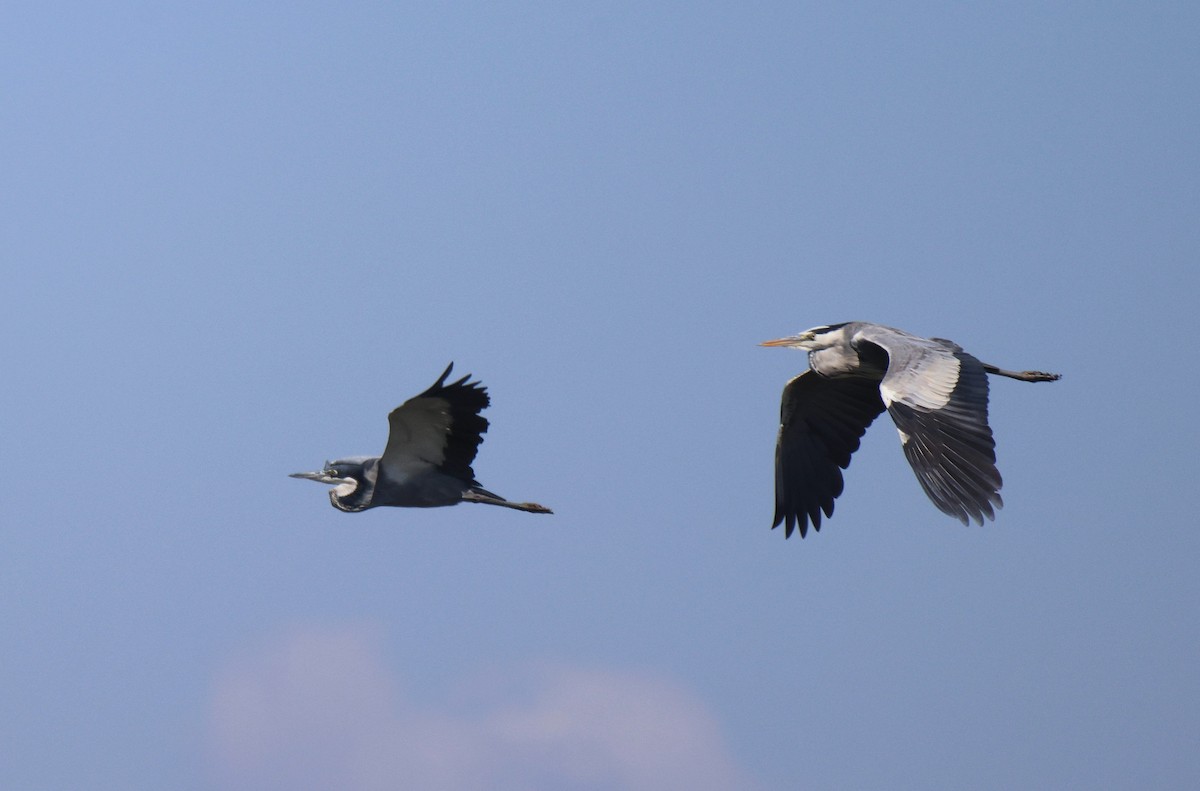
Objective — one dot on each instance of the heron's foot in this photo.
(1039, 376)
(1024, 376)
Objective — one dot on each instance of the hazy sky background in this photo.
(234, 235)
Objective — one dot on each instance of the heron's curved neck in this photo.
(868, 360)
(350, 503)
(358, 498)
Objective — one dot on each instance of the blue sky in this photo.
(235, 235)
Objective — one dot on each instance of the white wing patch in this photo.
(926, 382)
(921, 372)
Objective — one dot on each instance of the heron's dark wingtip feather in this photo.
(441, 379)
(821, 425)
(467, 426)
(791, 525)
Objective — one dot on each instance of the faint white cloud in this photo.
(317, 708)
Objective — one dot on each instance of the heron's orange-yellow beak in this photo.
(779, 342)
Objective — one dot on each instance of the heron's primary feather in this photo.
(821, 423)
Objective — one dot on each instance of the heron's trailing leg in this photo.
(1024, 376)
(488, 498)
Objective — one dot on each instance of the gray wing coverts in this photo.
(821, 423)
(951, 448)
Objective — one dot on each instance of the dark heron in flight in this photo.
(936, 393)
(432, 440)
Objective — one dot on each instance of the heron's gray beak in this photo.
(791, 340)
(319, 477)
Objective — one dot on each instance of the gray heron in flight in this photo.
(432, 440)
(936, 393)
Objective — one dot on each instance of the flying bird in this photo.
(936, 393)
(432, 441)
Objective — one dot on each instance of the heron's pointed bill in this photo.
(321, 477)
(791, 340)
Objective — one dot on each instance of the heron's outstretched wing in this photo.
(821, 423)
(938, 396)
(438, 429)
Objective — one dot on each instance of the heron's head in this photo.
(823, 337)
(346, 476)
